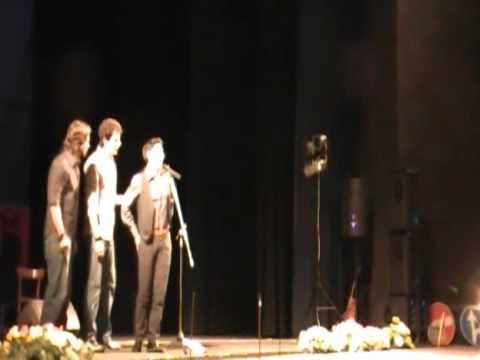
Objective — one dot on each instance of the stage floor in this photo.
(249, 348)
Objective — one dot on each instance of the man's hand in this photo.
(137, 240)
(100, 247)
(65, 243)
(182, 232)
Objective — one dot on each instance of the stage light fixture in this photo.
(316, 153)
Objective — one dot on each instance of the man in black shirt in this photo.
(61, 221)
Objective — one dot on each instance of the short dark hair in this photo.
(107, 127)
(77, 133)
(150, 144)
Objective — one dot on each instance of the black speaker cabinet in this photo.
(404, 195)
(355, 208)
(400, 264)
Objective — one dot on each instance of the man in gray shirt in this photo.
(101, 190)
(60, 230)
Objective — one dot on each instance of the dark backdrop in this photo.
(234, 88)
(214, 80)
(218, 82)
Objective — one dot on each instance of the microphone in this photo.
(172, 172)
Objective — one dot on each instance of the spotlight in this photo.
(316, 152)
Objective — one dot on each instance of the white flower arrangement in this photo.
(43, 342)
(352, 336)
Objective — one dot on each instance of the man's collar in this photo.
(71, 159)
(101, 150)
(149, 176)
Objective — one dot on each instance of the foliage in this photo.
(43, 343)
(351, 336)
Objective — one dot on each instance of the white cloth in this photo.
(106, 169)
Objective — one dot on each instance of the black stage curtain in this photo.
(216, 80)
(276, 79)
(274, 228)
(240, 164)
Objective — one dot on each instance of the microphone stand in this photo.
(173, 188)
(319, 287)
(183, 240)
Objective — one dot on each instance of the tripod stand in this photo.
(316, 150)
(319, 288)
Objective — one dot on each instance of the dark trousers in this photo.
(153, 271)
(59, 285)
(101, 285)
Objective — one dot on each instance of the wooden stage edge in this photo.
(285, 349)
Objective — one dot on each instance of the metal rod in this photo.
(192, 315)
(173, 188)
(180, 290)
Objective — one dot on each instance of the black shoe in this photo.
(137, 345)
(94, 345)
(153, 347)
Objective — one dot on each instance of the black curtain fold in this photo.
(274, 232)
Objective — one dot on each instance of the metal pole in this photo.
(180, 290)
